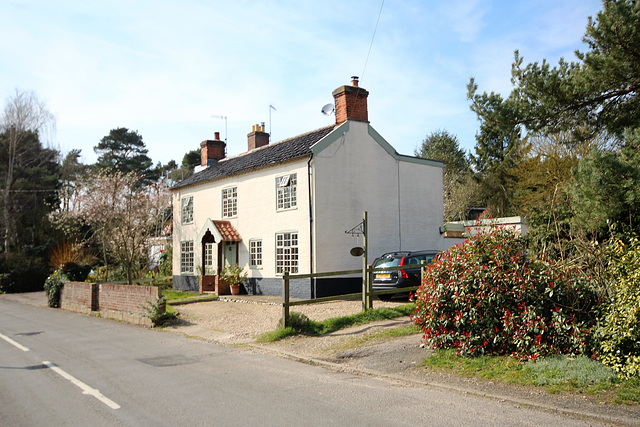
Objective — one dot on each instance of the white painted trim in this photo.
(209, 225)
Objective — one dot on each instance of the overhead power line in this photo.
(372, 38)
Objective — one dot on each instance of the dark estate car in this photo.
(399, 278)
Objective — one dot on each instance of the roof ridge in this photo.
(264, 147)
(281, 151)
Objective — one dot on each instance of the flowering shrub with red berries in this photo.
(486, 296)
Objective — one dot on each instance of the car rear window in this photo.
(429, 258)
(387, 262)
(417, 259)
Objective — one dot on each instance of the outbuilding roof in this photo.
(282, 151)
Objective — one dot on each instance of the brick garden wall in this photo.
(126, 303)
(120, 302)
(80, 297)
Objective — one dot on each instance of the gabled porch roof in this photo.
(221, 230)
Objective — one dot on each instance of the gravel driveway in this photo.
(243, 321)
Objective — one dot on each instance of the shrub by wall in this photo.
(486, 296)
(621, 324)
(53, 287)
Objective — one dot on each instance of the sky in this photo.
(174, 70)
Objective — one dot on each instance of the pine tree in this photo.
(600, 91)
(124, 151)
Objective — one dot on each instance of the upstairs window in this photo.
(286, 192)
(187, 210)
(230, 202)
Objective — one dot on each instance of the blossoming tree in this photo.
(122, 215)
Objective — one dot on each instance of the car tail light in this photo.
(403, 273)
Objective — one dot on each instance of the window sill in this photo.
(287, 209)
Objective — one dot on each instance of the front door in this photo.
(230, 253)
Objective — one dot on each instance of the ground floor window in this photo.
(287, 252)
(255, 253)
(186, 257)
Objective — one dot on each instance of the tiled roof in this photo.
(278, 152)
(226, 230)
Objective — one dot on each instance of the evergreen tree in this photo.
(71, 171)
(498, 152)
(33, 189)
(191, 159)
(604, 189)
(124, 151)
(443, 146)
(598, 92)
(28, 170)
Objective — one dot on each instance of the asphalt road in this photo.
(60, 368)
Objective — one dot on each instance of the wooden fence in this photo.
(366, 294)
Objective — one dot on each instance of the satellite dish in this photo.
(327, 110)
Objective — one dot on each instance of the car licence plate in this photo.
(383, 276)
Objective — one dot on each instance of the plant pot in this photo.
(235, 289)
(222, 288)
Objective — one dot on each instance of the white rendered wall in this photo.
(355, 173)
(257, 216)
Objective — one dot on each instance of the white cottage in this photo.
(286, 206)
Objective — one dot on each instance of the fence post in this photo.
(423, 269)
(369, 286)
(285, 299)
(366, 284)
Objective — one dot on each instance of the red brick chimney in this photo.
(212, 151)
(351, 103)
(258, 137)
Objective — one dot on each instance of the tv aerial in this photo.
(328, 109)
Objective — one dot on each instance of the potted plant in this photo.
(233, 276)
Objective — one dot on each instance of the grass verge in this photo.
(182, 296)
(301, 324)
(557, 374)
(171, 294)
(376, 337)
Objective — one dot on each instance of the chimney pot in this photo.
(216, 136)
(354, 81)
(257, 138)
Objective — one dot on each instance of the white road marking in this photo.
(85, 388)
(12, 342)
